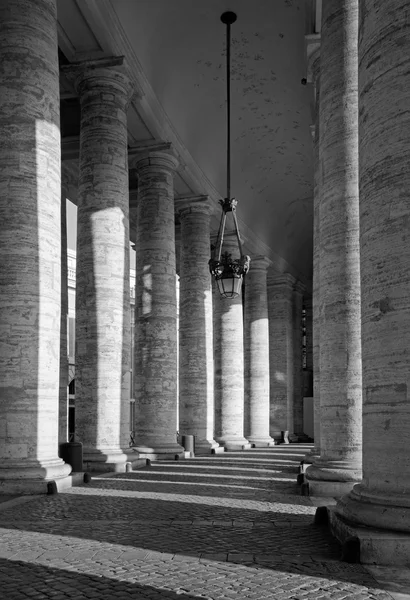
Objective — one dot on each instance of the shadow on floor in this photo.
(19, 577)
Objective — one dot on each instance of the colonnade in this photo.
(223, 376)
(361, 282)
(239, 372)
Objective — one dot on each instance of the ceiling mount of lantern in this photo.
(227, 271)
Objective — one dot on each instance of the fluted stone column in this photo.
(339, 465)
(382, 499)
(30, 245)
(280, 295)
(229, 363)
(102, 284)
(257, 354)
(298, 292)
(63, 394)
(155, 306)
(196, 385)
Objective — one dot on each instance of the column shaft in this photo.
(155, 306)
(63, 397)
(229, 364)
(196, 386)
(339, 465)
(297, 359)
(125, 425)
(257, 355)
(281, 354)
(382, 499)
(316, 262)
(30, 245)
(102, 287)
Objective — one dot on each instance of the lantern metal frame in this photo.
(227, 271)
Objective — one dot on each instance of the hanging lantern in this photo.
(228, 272)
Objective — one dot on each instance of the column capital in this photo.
(153, 157)
(194, 204)
(286, 280)
(106, 72)
(261, 263)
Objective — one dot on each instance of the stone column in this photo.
(308, 371)
(133, 204)
(382, 499)
(102, 283)
(125, 426)
(298, 292)
(155, 306)
(30, 245)
(196, 368)
(280, 292)
(229, 364)
(315, 62)
(339, 465)
(177, 294)
(257, 354)
(63, 395)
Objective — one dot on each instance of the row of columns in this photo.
(361, 256)
(212, 332)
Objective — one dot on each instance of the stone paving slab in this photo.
(148, 535)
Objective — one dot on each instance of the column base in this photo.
(104, 461)
(369, 545)
(239, 443)
(328, 489)
(332, 478)
(261, 441)
(133, 460)
(366, 509)
(205, 447)
(35, 478)
(160, 451)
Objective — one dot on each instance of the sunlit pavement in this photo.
(229, 526)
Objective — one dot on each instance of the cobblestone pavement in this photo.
(230, 526)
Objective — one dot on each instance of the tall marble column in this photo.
(339, 464)
(196, 368)
(30, 246)
(308, 365)
(280, 293)
(125, 425)
(63, 394)
(257, 354)
(315, 68)
(155, 306)
(298, 292)
(229, 364)
(382, 499)
(102, 282)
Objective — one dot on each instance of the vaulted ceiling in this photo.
(175, 53)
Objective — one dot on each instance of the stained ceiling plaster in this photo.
(181, 47)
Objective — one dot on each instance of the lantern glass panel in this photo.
(230, 285)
